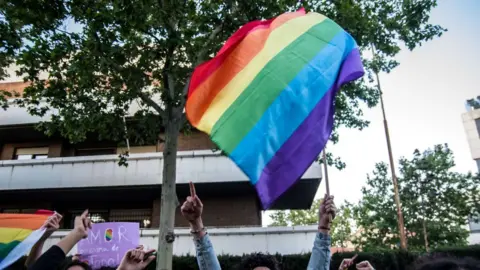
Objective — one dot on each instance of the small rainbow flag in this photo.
(18, 233)
(108, 235)
(267, 98)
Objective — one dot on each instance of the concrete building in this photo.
(471, 123)
(40, 172)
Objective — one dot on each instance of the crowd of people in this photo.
(136, 259)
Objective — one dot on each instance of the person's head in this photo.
(77, 265)
(259, 261)
(445, 262)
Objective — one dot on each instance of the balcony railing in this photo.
(202, 166)
(233, 241)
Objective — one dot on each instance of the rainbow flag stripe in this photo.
(18, 233)
(266, 99)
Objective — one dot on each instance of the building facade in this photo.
(471, 123)
(41, 172)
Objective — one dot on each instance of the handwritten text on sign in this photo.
(108, 242)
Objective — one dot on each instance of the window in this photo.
(95, 152)
(31, 153)
(96, 216)
(474, 225)
(477, 123)
(18, 211)
(142, 216)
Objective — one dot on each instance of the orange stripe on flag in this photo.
(22, 221)
(242, 54)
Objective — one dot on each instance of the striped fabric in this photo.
(18, 233)
(266, 99)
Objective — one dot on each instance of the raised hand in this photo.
(365, 265)
(192, 208)
(82, 224)
(52, 224)
(136, 259)
(346, 263)
(326, 213)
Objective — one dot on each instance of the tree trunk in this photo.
(169, 199)
(425, 237)
(424, 225)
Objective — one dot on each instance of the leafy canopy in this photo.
(105, 58)
(430, 191)
(342, 226)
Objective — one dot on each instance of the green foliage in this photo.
(342, 225)
(431, 193)
(121, 53)
(296, 217)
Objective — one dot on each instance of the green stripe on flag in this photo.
(249, 107)
(5, 248)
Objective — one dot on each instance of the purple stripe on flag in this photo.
(302, 148)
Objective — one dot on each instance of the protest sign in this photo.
(108, 242)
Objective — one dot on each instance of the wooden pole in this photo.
(401, 226)
(325, 170)
(327, 185)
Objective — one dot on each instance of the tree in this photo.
(342, 225)
(437, 203)
(124, 53)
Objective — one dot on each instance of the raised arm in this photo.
(192, 210)
(55, 255)
(320, 258)
(51, 225)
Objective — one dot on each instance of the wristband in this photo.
(324, 228)
(198, 231)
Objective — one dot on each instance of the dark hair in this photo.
(254, 260)
(78, 263)
(446, 262)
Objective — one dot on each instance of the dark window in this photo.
(477, 123)
(31, 153)
(96, 216)
(18, 211)
(23, 157)
(474, 224)
(95, 152)
(142, 216)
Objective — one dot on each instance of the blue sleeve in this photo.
(206, 258)
(320, 258)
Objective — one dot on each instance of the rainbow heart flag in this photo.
(18, 234)
(267, 98)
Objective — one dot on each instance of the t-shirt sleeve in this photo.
(49, 260)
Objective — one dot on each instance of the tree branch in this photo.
(201, 54)
(147, 100)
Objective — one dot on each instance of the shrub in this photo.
(388, 259)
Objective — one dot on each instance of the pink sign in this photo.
(108, 242)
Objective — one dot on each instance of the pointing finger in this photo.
(198, 201)
(193, 193)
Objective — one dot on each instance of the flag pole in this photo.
(327, 185)
(401, 226)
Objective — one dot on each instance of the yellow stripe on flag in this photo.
(8, 235)
(278, 40)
